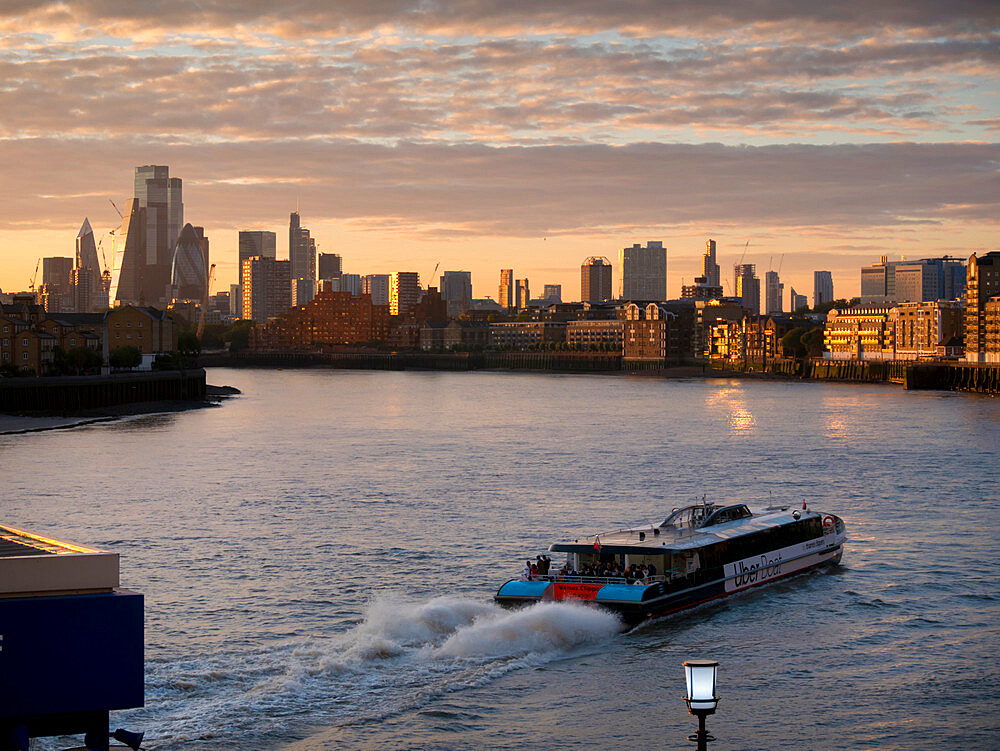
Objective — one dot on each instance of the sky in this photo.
(488, 134)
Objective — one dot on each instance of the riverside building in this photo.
(982, 294)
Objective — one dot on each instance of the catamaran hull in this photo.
(635, 603)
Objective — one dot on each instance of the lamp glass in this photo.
(701, 675)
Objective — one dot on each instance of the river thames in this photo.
(319, 555)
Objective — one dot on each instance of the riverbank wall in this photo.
(77, 394)
(984, 379)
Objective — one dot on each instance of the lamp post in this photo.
(701, 698)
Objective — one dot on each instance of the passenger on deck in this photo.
(526, 571)
(651, 571)
(534, 571)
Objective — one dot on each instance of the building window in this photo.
(24, 342)
(24, 356)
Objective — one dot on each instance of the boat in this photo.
(701, 552)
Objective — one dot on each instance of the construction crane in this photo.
(204, 303)
(122, 216)
(744, 252)
(431, 278)
(34, 276)
(780, 261)
(106, 273)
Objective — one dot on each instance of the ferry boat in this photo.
(700, 552)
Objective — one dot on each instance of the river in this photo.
(318, 558)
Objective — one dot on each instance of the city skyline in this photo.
(854, 140)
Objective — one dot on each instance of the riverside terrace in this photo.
(72, 637)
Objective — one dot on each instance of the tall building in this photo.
(127, 269)
(348, 283)
(56, 272)
(331, 266)
(303, 290)
(267, 288)
(773, 291)
(189, 270)
(878, 281)
(595, 280)
(404, 292)
(236, 298)
(709, 268)
(822, 287)
(256, 243)
(913, 281)
(643, 272)
(505, 293)
(376, 285)
(747, 287)
(86, 258)
(82, 281)
(552, 293)
(160, 197)
(301, 249)
(981, 292)
(796, 301)
(456, 290)
(522, 295)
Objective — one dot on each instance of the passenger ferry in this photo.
(700, 553)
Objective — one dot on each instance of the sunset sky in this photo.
(484, 134)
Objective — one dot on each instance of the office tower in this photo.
(330, 266)
(505, 293)
(56, 273)
(878, 281)
(82, 282)
(267, 288)
(86, 258)
(127, 268)
(930, 279)
(552, 293)
(189, 270)
(982, 340)
(160, 196)
(348, 283)
(456, 291)
(709, 268)
(256, 243)
(376, 285)
(522, 294)
(747, 287)
(796, 301)
(643, 272)
(773, 290)
(404, 292)
(822, 287)
(595, 280)
(236, 298)
(303, 290)
(301, 249)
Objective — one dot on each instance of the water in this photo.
(319, 555)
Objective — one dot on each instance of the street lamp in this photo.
(701, 698)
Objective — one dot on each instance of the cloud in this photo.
(520, 191)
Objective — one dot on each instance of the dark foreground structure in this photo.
(71, 394)
(72, 641)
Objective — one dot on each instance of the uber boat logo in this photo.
(754, 570)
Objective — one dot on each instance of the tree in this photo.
(237, 336)
(791, 343)
(838, 304)
(125, 358)
(812, 341)
(188, 347)
(211, 337)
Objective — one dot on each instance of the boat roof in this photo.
(673, 539)
(33, 565)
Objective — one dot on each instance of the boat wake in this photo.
(402, 655)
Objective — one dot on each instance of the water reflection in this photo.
(731, 398)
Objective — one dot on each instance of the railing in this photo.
(594, 579)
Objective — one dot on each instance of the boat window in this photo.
(689, 516)
(728, 514)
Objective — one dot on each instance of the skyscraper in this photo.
(505, 293)
(56, 273)
(376, 285)
(256, 243)
(796, 301)
(522, 294)
(643, 272)
(301, 249)
(404, 292)
(86, 258)
(331, 266)
(822, 287)
(595, 280)
(127, 268)
(456, 291)
(747, 287)
(773, 290)
(267, 288)
(160, 196)
(189, 270)
(303, 290)
(709, 268)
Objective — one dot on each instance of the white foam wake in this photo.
(399, 657)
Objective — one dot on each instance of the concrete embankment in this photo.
(66, 395)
